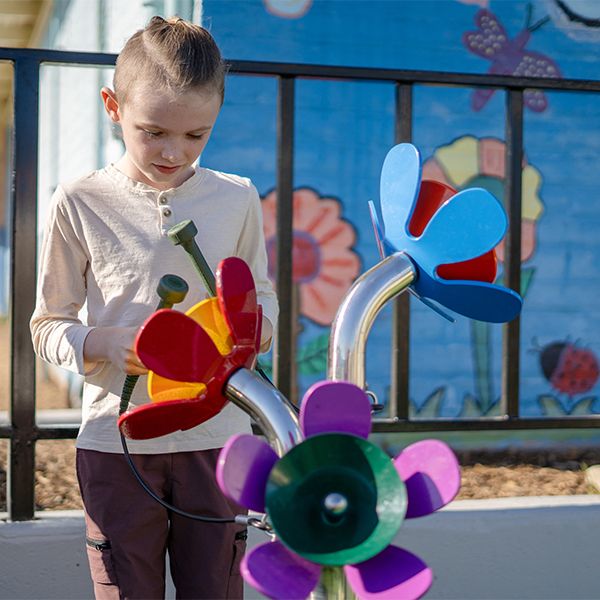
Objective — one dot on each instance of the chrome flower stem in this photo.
(346, 359)
(333, 585)
(355, 316)
(268, 407)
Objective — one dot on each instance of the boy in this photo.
(105, 244)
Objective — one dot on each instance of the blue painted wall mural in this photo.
(343, 131)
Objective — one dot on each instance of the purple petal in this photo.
(393, 574)
(335, 407)
(278, 573)
(431, 474)
(243, 468)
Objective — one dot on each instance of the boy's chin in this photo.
(164, 181)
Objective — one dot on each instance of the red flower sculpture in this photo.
(191, 356)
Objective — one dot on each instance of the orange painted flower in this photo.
(323, 262)
(472, 162)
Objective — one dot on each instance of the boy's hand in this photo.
(114, 344)
(265, 335)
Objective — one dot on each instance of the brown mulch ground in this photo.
(56, 485)
(484, 474)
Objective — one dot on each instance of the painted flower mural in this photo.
(288, 9)
(337, 501)
(473, 162)
(324, 265)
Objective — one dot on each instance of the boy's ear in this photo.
(111, 105)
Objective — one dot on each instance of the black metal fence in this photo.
(23, 431)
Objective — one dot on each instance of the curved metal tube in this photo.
(356, 314)
(267, 406)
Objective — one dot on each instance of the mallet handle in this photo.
(171, 289)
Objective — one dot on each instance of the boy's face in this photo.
(164, 132)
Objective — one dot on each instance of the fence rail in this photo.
(23, 432)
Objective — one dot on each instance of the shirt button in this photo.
(162, 200)
(167, 212)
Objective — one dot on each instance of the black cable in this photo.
(152, 493)
(171, 290)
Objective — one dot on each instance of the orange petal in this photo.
(345, 265)
(161, 389)
(320, 299)
(208, 315)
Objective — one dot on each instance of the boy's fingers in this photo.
(133, 365)
(132, 369)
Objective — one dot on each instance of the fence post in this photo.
(284, 352)
(512, 259)
(21, 467)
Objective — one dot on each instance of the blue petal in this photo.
(399, 189)
(473, 299)
(468, 225)
(432, 305)
(378, 229)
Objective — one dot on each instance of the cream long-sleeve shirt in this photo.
(105, 246)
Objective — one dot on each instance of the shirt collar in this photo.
(144, 189)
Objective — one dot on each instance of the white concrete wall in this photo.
(521, 548)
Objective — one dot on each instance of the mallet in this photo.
(184, 234)
(171, 290)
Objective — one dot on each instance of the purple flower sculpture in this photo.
(336, 500)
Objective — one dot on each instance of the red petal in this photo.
(153, 420)
(176, 347)
(432, 195)
(237, 300)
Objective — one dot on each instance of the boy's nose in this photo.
(171, 153)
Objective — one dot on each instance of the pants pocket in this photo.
(239, 549)
(102, 568)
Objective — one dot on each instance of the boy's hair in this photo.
(172, 53)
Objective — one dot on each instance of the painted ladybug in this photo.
(568, 368)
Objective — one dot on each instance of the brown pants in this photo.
(128, 533)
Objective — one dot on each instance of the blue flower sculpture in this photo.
(467, 225)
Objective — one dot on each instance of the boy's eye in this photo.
(198, 136)
(152, 133)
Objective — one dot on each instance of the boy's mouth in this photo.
(166, 170)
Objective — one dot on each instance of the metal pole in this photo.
(512, 251)
(398, 406)
(20, 489)
(355, 316)
(284, 346)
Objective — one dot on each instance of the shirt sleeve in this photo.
(251, 247)
(57, 332)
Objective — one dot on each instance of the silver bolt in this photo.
(335, 503)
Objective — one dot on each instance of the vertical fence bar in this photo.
(512, 253)
(399, 392)
(284, 371)
(20, 488)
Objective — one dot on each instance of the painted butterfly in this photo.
(509, 57)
